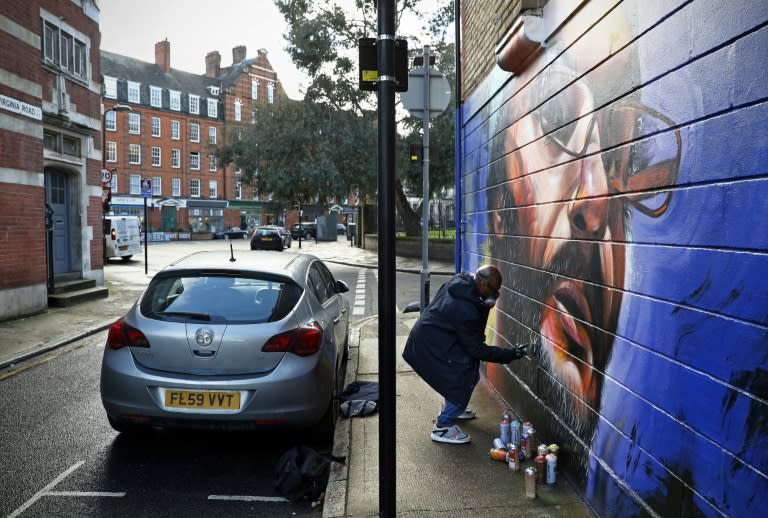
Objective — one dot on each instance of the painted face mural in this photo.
(571, 173)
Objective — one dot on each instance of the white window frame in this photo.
(134, 185)
(110, 151)
(110, 87)
(176, 158)
(238, 191)
(213, 189)
(157, 186)
(254, 89)
(212, 133)
(134, 92)
(134, 154)
(194, 104)
(134, 123)
(194, 188)
(176, 187)
(157, 156)
(194, 160)
(156, 126)
(238, 110)
(175, 130)
(156, 96)
(113, 183)
(64, 47)
(212, 163)
(270, 92)
(213, 108)
(194, 132)
(174, 97)
(110, 120)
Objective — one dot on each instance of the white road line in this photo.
(248, 498)
(86, 493)
(40, 493)
(359, 305)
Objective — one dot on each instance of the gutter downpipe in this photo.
(458, 159)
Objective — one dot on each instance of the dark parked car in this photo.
(267, 238)
(341, 229)
(308, 229)
(232, 233)
(286, 235)
(255, 343)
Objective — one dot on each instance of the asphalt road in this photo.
(60, 457)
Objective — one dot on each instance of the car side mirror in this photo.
(341, 287)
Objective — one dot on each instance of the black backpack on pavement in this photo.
(301, 473)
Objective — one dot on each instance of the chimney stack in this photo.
(213, 63)
(238, 54)
(163, 55)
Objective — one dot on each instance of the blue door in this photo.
(57, 195)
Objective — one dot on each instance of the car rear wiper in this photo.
(188, 314)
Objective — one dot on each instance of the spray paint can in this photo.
(499, 444)
(530, 482)
(530, 446)
(504, 429)
(526, 427)
(551, 468)
(513, 461)
(516, 430)
(523, 446)
(541, 464)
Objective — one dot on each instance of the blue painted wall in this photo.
(620, 183)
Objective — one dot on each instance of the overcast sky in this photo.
(194, 28)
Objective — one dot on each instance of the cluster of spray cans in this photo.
(518, 442)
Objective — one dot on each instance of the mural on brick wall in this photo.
(619, 184)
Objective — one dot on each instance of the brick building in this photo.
(165, 125)
(50, 117)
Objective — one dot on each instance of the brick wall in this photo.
(618, 180)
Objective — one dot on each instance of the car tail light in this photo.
(113, 234)
(303, 341)
(123, 335)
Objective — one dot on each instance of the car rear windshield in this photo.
(219, 298)
(266, 232)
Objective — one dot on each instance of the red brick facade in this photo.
(49, 119)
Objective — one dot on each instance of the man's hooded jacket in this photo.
(447, 343)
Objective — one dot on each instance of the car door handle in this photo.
(344, 310)
(337, 320)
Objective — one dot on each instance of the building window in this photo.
(134, 154)
(156, 156)
(114, 183)
(176, 158)
(156, 96)
(110, 87)
(135, 184)
(176, 187)
(212, 163)
(110, 121)
(175, 132)
(194, 160)
(134, 94)
(213, 189)
(111, 151)
(238, 110)
(254, 89)
(238, 191)
(212, 135)
(213, 108)
(175, 98)
(194, 188)
(70, 145)
(271, 93)
(157, 186)
(134, 123)
(194, 104)
(155, 126)
(194, 132)
(66, 48)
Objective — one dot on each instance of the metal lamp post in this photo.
(116, 108)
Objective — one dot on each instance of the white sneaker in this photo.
(466, 415)
(451, 434)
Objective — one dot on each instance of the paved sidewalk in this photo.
(432, 479)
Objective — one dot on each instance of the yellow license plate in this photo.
(123, 248)
(202, 399)
(266, 239)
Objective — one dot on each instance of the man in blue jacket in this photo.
(447, 343)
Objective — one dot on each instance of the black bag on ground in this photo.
(301, 473)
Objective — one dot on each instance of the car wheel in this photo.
(126, 258)
(253, 247)
(324, 430)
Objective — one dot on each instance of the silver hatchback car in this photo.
(219, 340)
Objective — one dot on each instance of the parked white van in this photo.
(122, 237)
